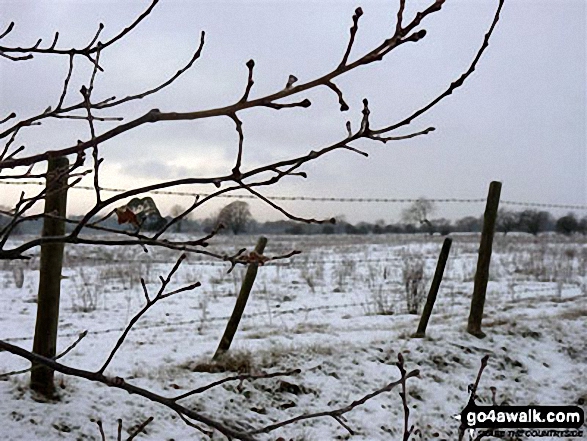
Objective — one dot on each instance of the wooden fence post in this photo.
(45, 340)
(482, 273)
(240, 304)
(434, 287)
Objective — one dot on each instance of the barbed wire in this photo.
(322, 199)
(539, 204)
(287, 264)
(274, 312)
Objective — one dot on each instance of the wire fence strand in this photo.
(275, 312)
(322, 199)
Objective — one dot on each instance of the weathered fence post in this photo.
(241, 302)
(434, 287)
(45, 341)
(482, 273)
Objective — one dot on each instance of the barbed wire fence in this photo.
(275, 312)
(578, 207)
(305, 309)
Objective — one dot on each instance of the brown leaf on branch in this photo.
(126, 216)
(254, 257)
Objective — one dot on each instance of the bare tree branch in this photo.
(252, 180)
(455, 84)
(160, 295)
(86, 51)
(8, 118)
(354, 29)
(337, 413)
(155, 115)
(57, 357)
(237, 378)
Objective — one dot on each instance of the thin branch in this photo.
(8, 144)
(85, 118)
(290, 81)
(87, 95)
(365, 120)
(455, 84)
(139, 429)
(119, 431)
(404, 394)
(278, 106)
(96, 35)
(343, 105)
(250, 82)
(13, 58)
(177, 218)
(9, 117)
(55, 38)
(353, 149)
(237, 378)
(65, 83)
(180, 290)
(57, 357)
(126, 30)
(16, 152)
(160, 295)
(285, 212)
(435, 7)
(354, 29)
(342, 421)
(236, 173)
(8, 30)
(473, 394)
(384, 139)
(285, 256)
(72, 346)
(340, 411)
(400, 16)
(101, 428)
(111, 102)
(145, 291)
(475, 385)
(208, 433)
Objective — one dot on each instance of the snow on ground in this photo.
(337, 312)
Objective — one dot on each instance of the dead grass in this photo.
(240, 361)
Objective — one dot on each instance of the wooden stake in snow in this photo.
(241, 302)
(482, 274)
(434, 287)
(45, 341)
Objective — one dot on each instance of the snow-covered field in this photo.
(337, 312)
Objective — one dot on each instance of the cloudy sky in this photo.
(519, 119)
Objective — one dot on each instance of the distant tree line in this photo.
(526, 221)
(235, 218)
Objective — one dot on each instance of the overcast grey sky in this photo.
(520, 118)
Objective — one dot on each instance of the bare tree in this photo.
(470, 224)
(567, 225)
(534, 221)
(100, 113)
(176, 211)
(235, 216)
(419, 212)
(507, 221)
